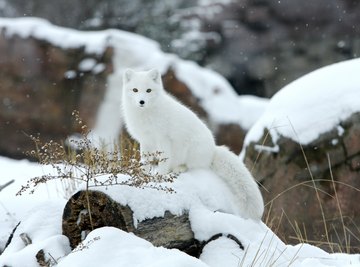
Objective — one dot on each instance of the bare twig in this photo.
(11, 236)
(6, 184)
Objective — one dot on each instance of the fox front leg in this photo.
(165, 158)
(148, 156)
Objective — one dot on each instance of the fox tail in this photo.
(235, 174)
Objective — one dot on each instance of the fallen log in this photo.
(88, 210)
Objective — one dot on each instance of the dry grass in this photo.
(300, 232)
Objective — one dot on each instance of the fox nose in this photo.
(142, 102)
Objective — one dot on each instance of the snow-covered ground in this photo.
(210, 207)
(210, 212)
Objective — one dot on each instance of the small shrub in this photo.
(80, 161)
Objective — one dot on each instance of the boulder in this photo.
(305, 152)
(41, 84)
(330, 164)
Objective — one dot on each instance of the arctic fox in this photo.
(160, 123)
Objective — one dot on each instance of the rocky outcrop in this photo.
(331, 164)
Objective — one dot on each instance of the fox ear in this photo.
(155, 75)
(128, 75)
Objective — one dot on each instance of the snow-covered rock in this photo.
(311, 130)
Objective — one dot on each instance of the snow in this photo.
(250, 109)
(212, 2)
(222, 252)
(70, 74)
(94, 42)
(148, 203)
(210, 211)
(43, 225)
(312, 105)
(126, 250)
(87, 64)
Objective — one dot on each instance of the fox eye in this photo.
(148, 90)
(135, 90)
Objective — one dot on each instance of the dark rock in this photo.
(352, 140)
(41, 85)
(355, 163)
(183, 93)
(315, 12)
(231, 135)
(257, 17)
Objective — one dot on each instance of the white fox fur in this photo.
(160, 123)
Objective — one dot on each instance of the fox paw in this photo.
(180, 169)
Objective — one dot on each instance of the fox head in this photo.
(141, 88)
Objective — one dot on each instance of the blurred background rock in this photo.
(258, 45)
